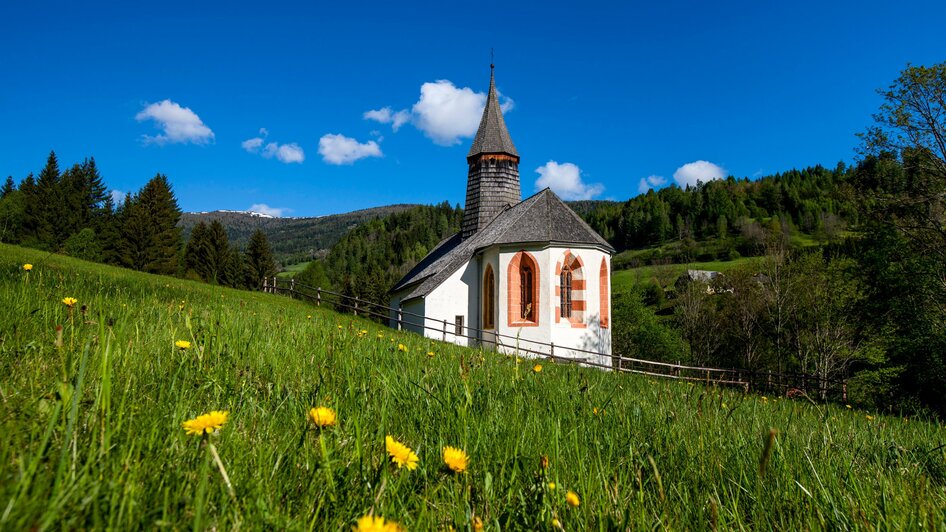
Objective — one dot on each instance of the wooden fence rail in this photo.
(812, 386)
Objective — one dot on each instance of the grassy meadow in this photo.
(623, 280)
(91, 422)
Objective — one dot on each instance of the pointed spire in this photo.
(492, 135)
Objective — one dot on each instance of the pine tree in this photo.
(151, 238)
(47, 202)
(194, 257)
(8, 187)
(109, 232)
(259, 260)
(216, 253)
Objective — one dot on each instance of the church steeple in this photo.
(493, 178)
(492, 135)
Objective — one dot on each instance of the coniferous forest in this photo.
(71, 212)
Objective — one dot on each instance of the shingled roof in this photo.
(492, 135)
(541, 219)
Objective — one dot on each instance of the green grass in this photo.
(292, 270)
(92, 437)
(623, 280)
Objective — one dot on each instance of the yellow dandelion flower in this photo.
(183, 345)
(69, 301)
(556, 523)
(400, 454)
(848, 406)
(206, 423)
(322, 416)
(339, 326)
(456, 459)
(477, 524)
(551, 485)
(370, 523)
(308, 317)
(430, 353)
(765, 399)
(537, 368)
(869, 417)
(380, 336)
(27, 267)
(363, 331)
(402, 347)
(572, 499)
(544, 462)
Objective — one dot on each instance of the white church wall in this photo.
(456, 296)
(527, 337)
(591, 336)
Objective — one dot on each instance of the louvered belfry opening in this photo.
(493, 178)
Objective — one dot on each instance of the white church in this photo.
(520, 274)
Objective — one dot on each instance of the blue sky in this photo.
(599, 96)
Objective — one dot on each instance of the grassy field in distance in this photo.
(292, 270)
(91, 417)
(622, 280)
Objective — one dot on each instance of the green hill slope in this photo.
(292, 239)
(92, 436)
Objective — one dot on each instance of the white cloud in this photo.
(445, 113)
(386, 115)
(339, 149)
(287, 153)
(178, 124)
(565, 180)
(252, 145)
(652, 181)
(118, 197)
(703, 171)
(276, 212)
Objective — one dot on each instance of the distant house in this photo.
(709, 278)
(520, 273)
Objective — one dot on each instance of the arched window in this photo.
(526, 280)
(604, 293)
(523, 291)
(489, 298)
(565, 282)
(570, 290)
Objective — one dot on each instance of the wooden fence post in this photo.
(356, 306)
(552, 350)
(292, 285)
(844, 391)
(400, 316)
(318, 296)
(444, 330)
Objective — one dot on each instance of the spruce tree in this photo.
(151, 240)
(216, 253)
(109, 232)
(47, 203)
(194, 256)
(162, 212)
(259, 260)
(31, 213)
(8, 187)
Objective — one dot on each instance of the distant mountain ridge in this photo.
(292, 239)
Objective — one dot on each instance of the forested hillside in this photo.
(292, 239)
(367, 261)
(724, 218)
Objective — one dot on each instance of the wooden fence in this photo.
(811, 386)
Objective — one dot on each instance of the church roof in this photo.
(492, 135)
(541, 219)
